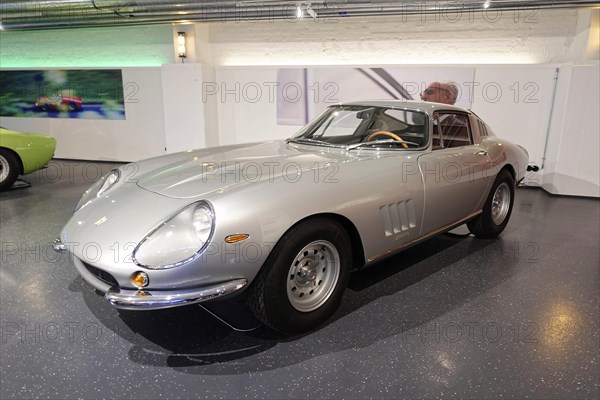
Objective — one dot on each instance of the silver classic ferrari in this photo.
(285, 222)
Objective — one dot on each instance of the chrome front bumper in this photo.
(154, 300)
(128, 299)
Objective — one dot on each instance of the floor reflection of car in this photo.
(22, 153)
(284, 222)
(55, 102)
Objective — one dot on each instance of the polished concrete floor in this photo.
(456, 317)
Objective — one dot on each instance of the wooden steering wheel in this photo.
(390, 134)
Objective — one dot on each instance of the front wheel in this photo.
(9, 169)
(303, 280)
(497, 209)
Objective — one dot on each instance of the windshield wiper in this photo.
(311, 141)
(382, 141)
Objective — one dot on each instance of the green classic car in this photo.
(22, 153)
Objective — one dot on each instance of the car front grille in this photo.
(102, 275)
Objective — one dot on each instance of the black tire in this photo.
(492, 221)
(44, 107)
(9, 169)
(73, 106)
(268, 295)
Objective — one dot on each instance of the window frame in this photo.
(435, 117)
(311, 127)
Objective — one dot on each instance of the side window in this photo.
(452, 129)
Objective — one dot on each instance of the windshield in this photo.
(366, 126)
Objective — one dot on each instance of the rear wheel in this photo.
(497, 209)
(303, 280)
(9, 169)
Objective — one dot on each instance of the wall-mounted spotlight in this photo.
(181, 45)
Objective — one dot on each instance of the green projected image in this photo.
(86, 94)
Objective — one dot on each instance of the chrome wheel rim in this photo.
(3, 169)
(500, 203)
(313, 276)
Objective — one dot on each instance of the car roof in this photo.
(412, 104)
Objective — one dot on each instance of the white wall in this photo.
(514, 37)
(241, 120)
(140, 135)
(183, 107)
(248, 97)
(523, 46)
(516, 102)
(520, 47)
(572, 162)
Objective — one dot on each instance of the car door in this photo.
(389, 216)
(454, 172)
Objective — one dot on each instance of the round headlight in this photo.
(202, 220)
(178, 240)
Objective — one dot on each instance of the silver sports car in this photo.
(285, 222)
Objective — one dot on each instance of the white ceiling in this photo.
(21, 15)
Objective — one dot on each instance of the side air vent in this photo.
(398, 217)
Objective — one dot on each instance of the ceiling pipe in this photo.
(25, 15)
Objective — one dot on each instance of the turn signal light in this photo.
(139, 279)
(236, 238)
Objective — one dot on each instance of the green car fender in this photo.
(33, 150)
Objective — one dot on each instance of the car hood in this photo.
(221, 169)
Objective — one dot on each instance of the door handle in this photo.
(482, 153)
